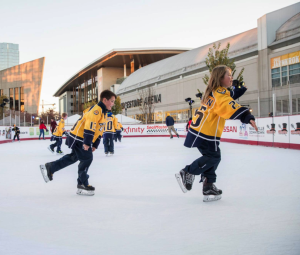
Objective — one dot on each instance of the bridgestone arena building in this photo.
(269, 53)
(164, 78)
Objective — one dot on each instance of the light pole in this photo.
(190, 101)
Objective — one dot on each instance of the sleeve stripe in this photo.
(238, 113)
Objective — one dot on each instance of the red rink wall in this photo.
(286, 134)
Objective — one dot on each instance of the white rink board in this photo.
(234, 131)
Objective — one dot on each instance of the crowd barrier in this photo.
(283, 132)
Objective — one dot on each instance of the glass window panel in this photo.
(276, 70)
(295, 71)
(295, 66)
(275, 82)
(11, 98)
(274, 76)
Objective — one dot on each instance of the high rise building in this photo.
(9, 55)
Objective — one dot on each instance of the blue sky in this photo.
(71, 34)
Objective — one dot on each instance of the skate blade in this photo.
(178, 178)
(50, 150)
(84, 192)
(44, 173)
(60, 153)
(211, 198)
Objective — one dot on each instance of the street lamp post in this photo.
(190, 101)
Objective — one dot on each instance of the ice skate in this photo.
(111, 153)
(45, 170)
(185, 180)
(171, 137)
(59, 153)
(50, 149)
(210, 192)
(177, 135)
(85, 190)
(106, 154)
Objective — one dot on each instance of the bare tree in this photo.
(146, 103)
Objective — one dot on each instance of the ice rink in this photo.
(138, 207)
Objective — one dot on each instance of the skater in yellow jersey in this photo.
(206, 129)
(83, 139)
(110, 131)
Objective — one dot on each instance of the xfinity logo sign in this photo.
(139, 102)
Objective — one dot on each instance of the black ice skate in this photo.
(85, 190)
(210, 192)
(171, 137)
(51, 149)
(111, 153)
(106, 154)
(45, 170)
(177, 135)
(185, 180)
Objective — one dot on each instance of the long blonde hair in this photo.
(214, 82)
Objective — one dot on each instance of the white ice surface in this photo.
(139, 208)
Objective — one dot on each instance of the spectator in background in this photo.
(53, 125)
(17, 132)
(42, 128)
(170, 124)
(188, 124)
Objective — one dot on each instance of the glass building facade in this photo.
(22, 85)
(9, 55)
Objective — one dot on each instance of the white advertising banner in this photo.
(151, 130)
(283, 131)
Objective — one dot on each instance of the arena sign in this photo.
(139, 102)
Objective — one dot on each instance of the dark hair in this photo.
(107, 94)
(190, 118)
(64, 114)
(42, 121)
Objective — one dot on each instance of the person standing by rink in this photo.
(119, 130)
(42, 128)
(109, 132)
(84, 139)
(58, 132)
(206, 129)
(17, 132)
(53, 125)
(170, 125)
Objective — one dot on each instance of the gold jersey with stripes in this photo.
(110, 125)
(209, 120)
(60, 129)
(88, 127)
(119, 126)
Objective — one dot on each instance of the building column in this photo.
(125, 68)
(132, 66)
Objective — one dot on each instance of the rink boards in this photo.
(282, 131)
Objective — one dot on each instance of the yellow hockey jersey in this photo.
(119, 126)
(209, 120)
(87, 127)
(60, 129)
(110, 125)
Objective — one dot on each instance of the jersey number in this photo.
(232, 103)
(93, 126)
(109, 125)
(199, 115)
